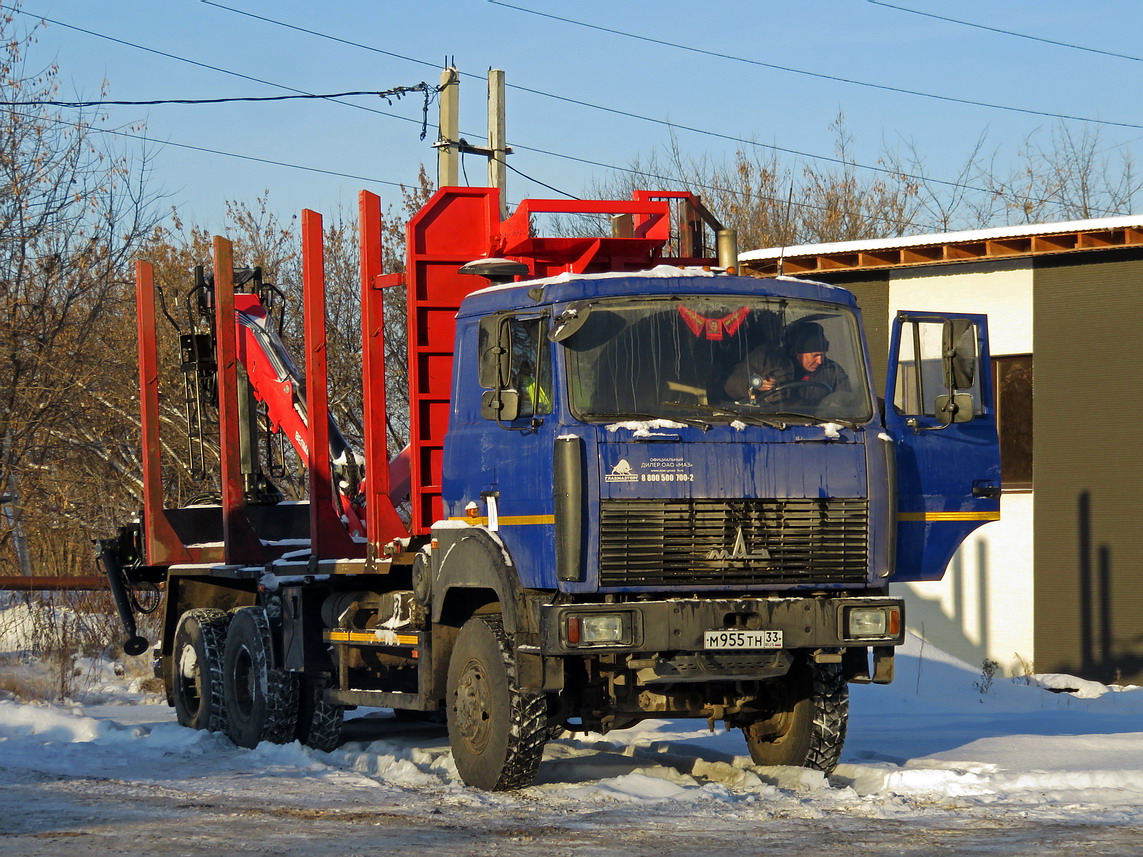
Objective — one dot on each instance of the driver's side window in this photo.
(515, 356)
(531, 372)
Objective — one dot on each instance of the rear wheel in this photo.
(197, 686)
(807, 727)
(319, 722)
(261, 700)
(496, 729)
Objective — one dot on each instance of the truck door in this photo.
(941, 416)
(515, 445)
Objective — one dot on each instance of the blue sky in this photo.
(854, 39)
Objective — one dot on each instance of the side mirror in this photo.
(957, 408)
(495, 356)
(959, 354)
(569, 321)
(501, 405)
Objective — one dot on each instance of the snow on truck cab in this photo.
(636, 486)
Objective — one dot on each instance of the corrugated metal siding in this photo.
(1087, 452)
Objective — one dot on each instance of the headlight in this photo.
(872, 623)
(598, 629)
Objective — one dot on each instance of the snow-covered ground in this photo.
(931, 762)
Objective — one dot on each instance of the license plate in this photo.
(742, 639)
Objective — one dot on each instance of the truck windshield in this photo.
(717, 360)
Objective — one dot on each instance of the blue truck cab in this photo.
(689, 490)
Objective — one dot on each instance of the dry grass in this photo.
(56, 646)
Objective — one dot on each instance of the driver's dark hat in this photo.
(807, 337)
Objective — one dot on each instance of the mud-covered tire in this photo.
(261, 700)
(496, 729)
(807, 729)
(196, 671)
(319, 722)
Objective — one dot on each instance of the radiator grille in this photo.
(711, 542)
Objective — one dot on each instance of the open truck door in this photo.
(941, 415)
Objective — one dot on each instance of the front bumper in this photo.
(678, 625)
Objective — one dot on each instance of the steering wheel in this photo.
(790, 385)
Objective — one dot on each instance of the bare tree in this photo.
(772, 202)
(72, 213)
(1068, 176)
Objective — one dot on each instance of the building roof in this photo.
(942, 248)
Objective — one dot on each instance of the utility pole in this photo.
(497, 149)
(448, 143)
(450, 147)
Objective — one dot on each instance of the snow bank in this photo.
(937, 741)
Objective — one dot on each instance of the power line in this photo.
(394, 93)
(819, 75)
(209, 151)
(323, 35)
(271, 162)
(578, 102)
(558, 155)
(615, 111)
(540, 183)
(1007, 32)
(252, 158)
(206, 66)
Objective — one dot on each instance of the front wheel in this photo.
(495, 728)
(261, 700)
(810, 711)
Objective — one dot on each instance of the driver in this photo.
(802, 376)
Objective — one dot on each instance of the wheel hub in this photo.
(189, 678)
(473, 707)
(245, 686)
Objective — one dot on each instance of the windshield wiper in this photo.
(634, 415)
(751, 418)
(849, 424)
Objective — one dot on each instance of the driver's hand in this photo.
(768, 383)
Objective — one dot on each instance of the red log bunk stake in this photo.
(162, 546)
(328, 538)
(240, 544)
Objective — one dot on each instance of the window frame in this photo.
(1004, 404)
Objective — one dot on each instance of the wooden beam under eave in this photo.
(921, 255)
(1131, 235)
(763, 268)
(837, 262)
(967, 250)
(1009, 247)
(880, 259)
(1054, 243)
(799, 265)
(1088, 240)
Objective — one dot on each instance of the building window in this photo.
(1012, 377)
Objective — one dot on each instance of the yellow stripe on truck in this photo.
(370, 637)
(948, 516)
(510, 520)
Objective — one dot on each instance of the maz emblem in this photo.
(738, 551)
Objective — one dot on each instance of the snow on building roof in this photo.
(964, 246)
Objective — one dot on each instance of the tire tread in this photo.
(212, 625)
